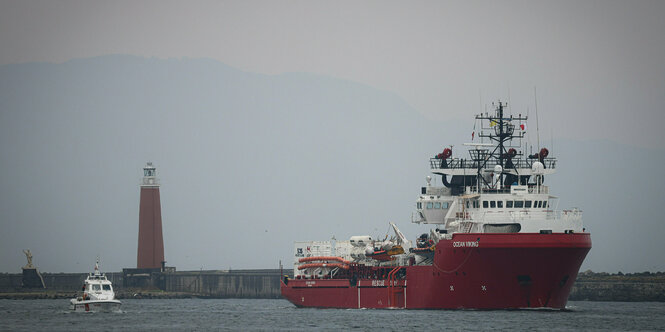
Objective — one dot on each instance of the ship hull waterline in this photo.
(96, 306)
(471, 270)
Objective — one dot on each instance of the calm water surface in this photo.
(240, 314)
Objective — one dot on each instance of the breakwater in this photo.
(589, 286)
(224, 284)
(629, 287)
(209, 283)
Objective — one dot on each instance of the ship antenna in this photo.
(528, 134)
(510, 103)
(535, 97)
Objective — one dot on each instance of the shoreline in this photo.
(33, 294)
(589, 286)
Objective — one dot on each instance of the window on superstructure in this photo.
(539, 204)
(499, 204)
(106, 287)
(419, 205)
(437, 205)
(467, 204)
(527, 204)
(444, 205)
(547, 204)
(96, 287)
(476, 204)
(485, 204)
(519, 204)
(509, 204)
(429, 205)
(493, 204)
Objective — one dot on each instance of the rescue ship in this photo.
(498, 240)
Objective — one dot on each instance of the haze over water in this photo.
(271, 122)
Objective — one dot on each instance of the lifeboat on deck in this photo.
(324, 258)
(323, 265)
(386, 255)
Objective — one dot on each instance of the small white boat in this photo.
(97, 294)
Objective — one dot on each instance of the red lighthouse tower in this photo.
(151, 243)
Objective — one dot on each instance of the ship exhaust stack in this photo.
(151, 243)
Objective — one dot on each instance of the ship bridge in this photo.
(498, 187)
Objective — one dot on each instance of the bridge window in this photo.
(419, 205)
(96, 287)
(444, 205)
(519, 204)
(499, 204)
(509, 204)
(476, 204)
(429, 205)
(485, 204)
(527, 204)
(493, 204)
(437, 205)
(106, 287)
(546, 204)
(539, 204)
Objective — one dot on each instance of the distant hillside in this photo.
(250, 163)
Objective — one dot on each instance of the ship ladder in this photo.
(467, 227)
(392, 287)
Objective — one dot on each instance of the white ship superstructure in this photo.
(497, 189)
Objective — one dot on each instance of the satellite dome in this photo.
(537, 168)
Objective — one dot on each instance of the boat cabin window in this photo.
(539, 204)
(437, 205)
(444, 205)
(467, 204)
(476, 204)
(499, 204)
(493, 204)
(106, 287)
(527, 204)
(485, 205)
(429, 205)
(519, 204)
(545, 205)
(509, 204)
(419, 205)
(96, 287)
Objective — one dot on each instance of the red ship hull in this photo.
(472, 270)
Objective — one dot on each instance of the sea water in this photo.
(244, 314)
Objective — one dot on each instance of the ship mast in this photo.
(504, 131)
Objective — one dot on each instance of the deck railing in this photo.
(436, 163)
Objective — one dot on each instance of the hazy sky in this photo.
(597, 65)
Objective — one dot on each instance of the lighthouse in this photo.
(151, 243)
